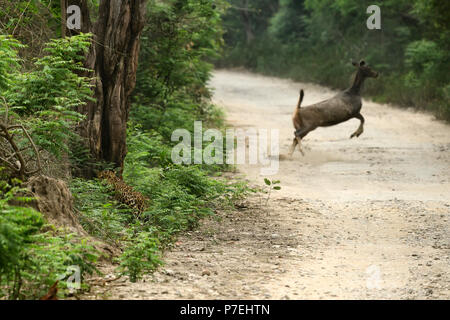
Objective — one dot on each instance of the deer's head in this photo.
(365, 70)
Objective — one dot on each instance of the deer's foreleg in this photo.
(360, 130)
(299, 143)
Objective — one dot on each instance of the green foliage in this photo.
(115, 224)
(179, 197)
(9, 62)
(55, 82)
(257, 15)
(287, 24)
(172, 74)
(45, 99)
(34, 22)
(32, 253)
(100, 215)
(178, 43)
(424, 59)
(146, 148)
(142, 255)
(271, 185)
(170, 94)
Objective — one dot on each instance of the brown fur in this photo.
(344, 106)
(125, 193)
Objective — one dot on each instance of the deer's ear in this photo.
(362, 63)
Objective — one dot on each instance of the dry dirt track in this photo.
(355, 219)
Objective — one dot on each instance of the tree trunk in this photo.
(63, 18)
(247, 22)
(114, 59)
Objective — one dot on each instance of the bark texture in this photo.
(114, 59)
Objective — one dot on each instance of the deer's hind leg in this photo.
(299, 135)
(360, 130)
(296, 142)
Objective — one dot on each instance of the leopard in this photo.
(124, 193)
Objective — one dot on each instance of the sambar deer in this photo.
(344, 106)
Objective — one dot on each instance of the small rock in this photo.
(169, 272)
(206, 273)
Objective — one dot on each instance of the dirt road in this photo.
(355, 219)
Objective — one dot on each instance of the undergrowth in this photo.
(33, 253)
(171, 93)
(179, 197)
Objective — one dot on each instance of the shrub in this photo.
(45, 99)
(34, 254)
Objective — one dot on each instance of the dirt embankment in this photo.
(363, 218)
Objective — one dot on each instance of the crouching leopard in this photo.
(125, 193)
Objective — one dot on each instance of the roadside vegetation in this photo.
(44, 93)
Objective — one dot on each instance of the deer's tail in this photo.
(300, 100)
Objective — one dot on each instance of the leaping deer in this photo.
(344, 106)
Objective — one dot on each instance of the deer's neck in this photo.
(357, 84)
